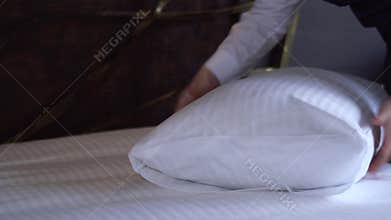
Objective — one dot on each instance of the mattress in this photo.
(90, 177)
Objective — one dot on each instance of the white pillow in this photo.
(295, 129)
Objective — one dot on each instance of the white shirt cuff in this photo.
(223, 65)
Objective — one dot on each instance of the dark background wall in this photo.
(44, 45)
(331, 37)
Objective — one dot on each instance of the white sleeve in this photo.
(257, 32)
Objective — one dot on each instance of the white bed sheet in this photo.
(90, 177)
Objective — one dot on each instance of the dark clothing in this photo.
(374, 13)
(371, 13)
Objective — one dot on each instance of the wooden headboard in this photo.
(46, 45)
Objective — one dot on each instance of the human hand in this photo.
(383, 119)
(203, 82)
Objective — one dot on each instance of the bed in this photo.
(90, 177)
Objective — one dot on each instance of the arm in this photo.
(257, 32)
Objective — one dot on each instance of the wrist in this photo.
(203, 82)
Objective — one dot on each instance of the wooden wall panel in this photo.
(46, 44)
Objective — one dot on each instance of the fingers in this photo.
(184, 99)
(383, 119)
(203, 82)
(383, 156)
